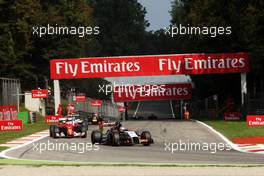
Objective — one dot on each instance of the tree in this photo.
(246, 20)
(15, 40)
(122, 26)
(26, 56)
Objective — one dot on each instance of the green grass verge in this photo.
(37, 163)
(28, 129)
(3, 148)
(235, 129)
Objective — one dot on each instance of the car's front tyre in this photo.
(96, 137)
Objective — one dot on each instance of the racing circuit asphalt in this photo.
(162, 131)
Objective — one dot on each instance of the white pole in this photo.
(181, 111)
(18, 108)
(136, 111)
(57, 97)
(243, 88)
(173, 115)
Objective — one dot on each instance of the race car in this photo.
(95, 118)
(91, 118)
(119, 135)
(152, 117)
(69, 126)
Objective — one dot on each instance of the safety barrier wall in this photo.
(107, 109)
(9, 88)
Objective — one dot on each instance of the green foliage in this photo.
(26, 56)
(246, 20)
(122, 24)
(3, 148)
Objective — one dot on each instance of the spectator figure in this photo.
(186, 113)
(70, 109)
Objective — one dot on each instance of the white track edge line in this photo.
(224, 138)
(3, 153)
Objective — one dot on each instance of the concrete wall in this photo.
(34, 104)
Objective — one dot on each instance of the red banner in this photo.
(80, 98)
(8, 113)
(255, 120)
(39, 93)
(11, 125)
(232, 115)
(121, 109)
(52, 118)
(96, 103)
(152, 92)
(176, 64)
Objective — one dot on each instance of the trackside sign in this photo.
(80, 98)
(52, 118)
(232, 115)
(39, 93)
(152, 92)
(121, 109)
(255, 120)
(190, 64)
(96, 103)
(11, 125)
(8, 113)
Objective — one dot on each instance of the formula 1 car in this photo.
(119, 135)
(95, 118)
(137, 117)
(91, 118)
(152, 117)
(69, 126)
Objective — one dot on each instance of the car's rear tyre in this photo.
(51, 130)
(56, 131)
(96, 137)
(145, 135)
(85, 135)
(85, 124)
(83, 127)
(116, 139)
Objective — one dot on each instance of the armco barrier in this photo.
(9, 88)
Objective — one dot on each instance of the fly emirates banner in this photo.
(153, 65)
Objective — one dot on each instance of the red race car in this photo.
(69, 126)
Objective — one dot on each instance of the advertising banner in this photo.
(39, 93)
(97, 103)
(23, 116)
(80, 98)
(8, 113)
(232, 115)
(177, 64)
(152, 92)
(10, 125)
(52, 118)
(255, 120)
(121, 109)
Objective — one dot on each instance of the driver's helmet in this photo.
(122, 129)
(69, 120)
(118, 125)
